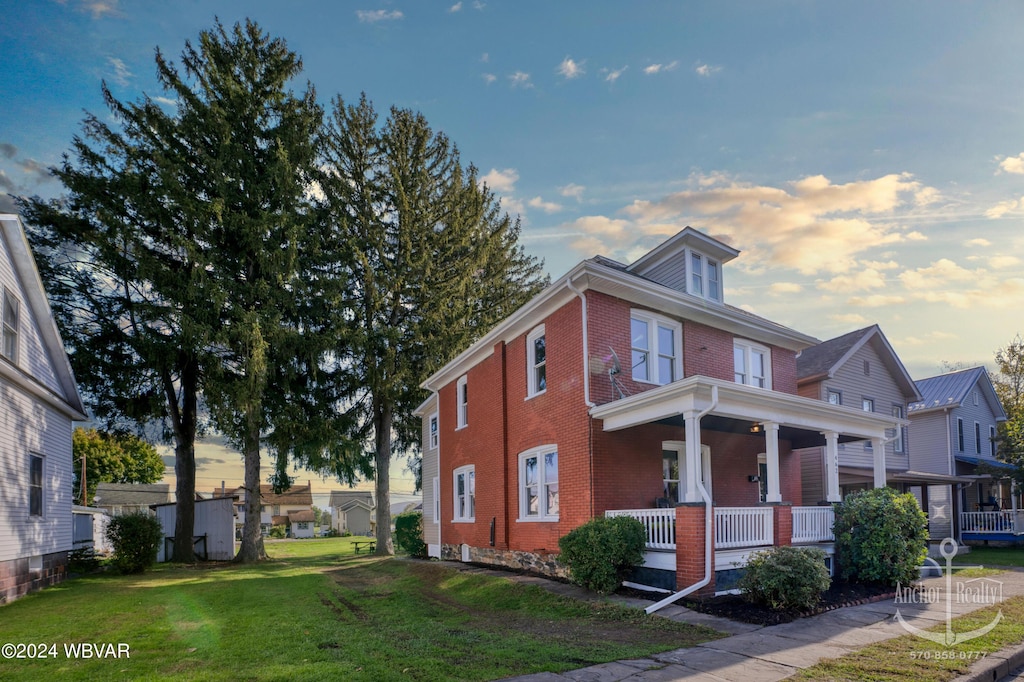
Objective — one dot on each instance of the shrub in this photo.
(278, 532)
(601, 552)
(786, 577)
(881, 537)
(409, 533)
(136, 540)
(83, 560)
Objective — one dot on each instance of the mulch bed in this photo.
(840, 594)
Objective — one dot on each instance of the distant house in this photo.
(276, 509)
(352, 511)
(38, 403)
(127, 498)
(953, 429)
(301, 523)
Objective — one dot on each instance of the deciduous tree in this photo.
(112, 458)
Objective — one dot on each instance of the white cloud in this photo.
(777, 288)
(479, 5)
(979, 241)
(99, 8)
(166, 101)
(706, 70)
(35, 169)
(570, 68)
(456, 7)
(612, 75)
(489, 78)
(546, 206)
(485, 57)
(121, 74)
(373, 16)
(929, 338)
(940, 273)
(865, 280)
(513, 206)
(520, 79)
(1004, 207)
(658, 68)
(1001, 262)
(1011, 164)
(875, 300)
(501, 180)
(572, 190)
(849, 318)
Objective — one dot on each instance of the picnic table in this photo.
(359, 544)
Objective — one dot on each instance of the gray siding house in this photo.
(352, 511)
(859, 371)
(38, 403)
(953, 428)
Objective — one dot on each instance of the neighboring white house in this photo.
(38, 403)
(127, 498)
(352, 511)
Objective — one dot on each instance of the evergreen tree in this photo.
(426, 263)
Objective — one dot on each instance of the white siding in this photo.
(431, 530)
(29, 427)
(32, 355)
(930, 442)
(214, 518)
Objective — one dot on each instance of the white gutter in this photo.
(709, 549)
(586, 346)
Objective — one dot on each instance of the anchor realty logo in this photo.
(979, 591)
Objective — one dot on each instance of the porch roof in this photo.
(744, 403)
(905, 476)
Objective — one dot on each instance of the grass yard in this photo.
(913, 658)
(318, 611)
(992, 556)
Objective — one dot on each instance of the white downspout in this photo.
(709, 545)
(586, 345)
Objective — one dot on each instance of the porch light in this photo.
(756, 427)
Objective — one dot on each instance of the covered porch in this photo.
(718, 419)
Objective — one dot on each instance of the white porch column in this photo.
(771, 451)
(690, 492)
(878, 448)
(832, 466)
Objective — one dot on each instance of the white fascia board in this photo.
(741, 402)
(428, 405)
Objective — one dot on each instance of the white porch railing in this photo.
(992, 522)
(660, 525)
(744, 527)
(813, 524)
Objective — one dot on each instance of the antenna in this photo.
(615, 370)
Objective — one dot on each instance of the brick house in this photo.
(633, 389)
(38, 403)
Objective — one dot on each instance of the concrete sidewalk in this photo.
(765, 654)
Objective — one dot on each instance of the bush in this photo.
(881, 537)
(601, 552)
(83, 560)
(278, 532)
(409, 533)
(786, 577)
(136, 540)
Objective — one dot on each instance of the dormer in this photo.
(690, 262)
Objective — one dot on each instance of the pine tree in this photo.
(427, 263)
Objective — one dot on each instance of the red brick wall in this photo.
(783, 370)
(707, 351)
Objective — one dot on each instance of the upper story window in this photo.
(35, 485)
(977, 438)
(538, 484)
(835, 397)
(705, 277)
(465, 494)
(657, 348)
(992, 440)
(462, 402)
(434, 432)
(897, 444)
(9, 347)
(536, 362)
(752, 364)
(960, 434)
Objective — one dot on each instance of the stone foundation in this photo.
(16, 580)
(531, 562)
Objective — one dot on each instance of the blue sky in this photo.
(867, 158)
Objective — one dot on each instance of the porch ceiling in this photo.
(798, 438)
(801, 420)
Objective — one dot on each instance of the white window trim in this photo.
(897, 443)
(748, 347)
(704, 278)
(832, 392)
(531, 364)
(653, 321)
(437, 499)
(468, 469)
(42, 485)
(434, 431)
(461, 408)
(539, 453)
(704, 480)
(10, 327)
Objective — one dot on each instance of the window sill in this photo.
(472, 520)
(537, 519)
(459, 428)
(534, 395)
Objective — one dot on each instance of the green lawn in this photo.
(992, 556)
(320, 612)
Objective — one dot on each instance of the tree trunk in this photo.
(251, 550)
(184, 420)
(382, 429)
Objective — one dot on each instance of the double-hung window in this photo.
(434, 432)
(657, 348)
(705, 277)
(465, 494)
(752, 364)
(536, 362)
(538, 484)
(992, 440)
(977, 438)
(960, 434)
(11, 312)
(897, 444)
(835, 397)
(868, 405)
(462, 402)
(35, 485)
